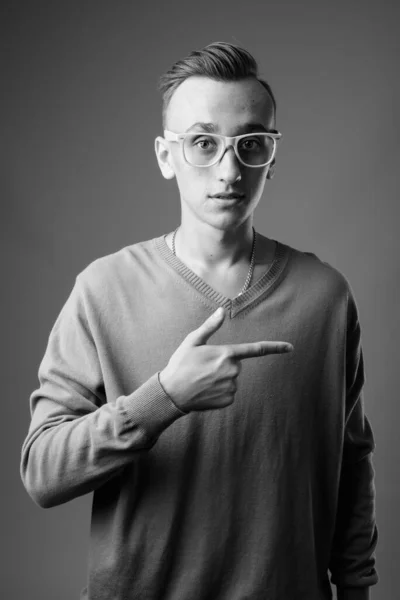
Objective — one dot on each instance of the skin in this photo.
(214, 240)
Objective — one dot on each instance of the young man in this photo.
(222, 468)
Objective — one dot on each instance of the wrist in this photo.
(167, 384)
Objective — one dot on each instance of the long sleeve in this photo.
(352, 563)
(77, 439)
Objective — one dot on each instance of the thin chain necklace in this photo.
(250, 273)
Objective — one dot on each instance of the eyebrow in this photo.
(212, 128)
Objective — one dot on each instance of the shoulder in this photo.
(117, 270)
(316, 276)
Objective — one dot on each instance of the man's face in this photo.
(233, 108)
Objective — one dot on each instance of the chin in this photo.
(226, 220)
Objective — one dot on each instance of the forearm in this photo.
(353, 550)
(65, 456)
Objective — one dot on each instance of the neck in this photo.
(212, 248)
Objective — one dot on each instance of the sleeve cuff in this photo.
(353, 593)
(149, 408)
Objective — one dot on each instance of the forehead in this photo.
(227, 104)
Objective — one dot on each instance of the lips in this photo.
(233, 196)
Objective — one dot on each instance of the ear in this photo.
(271, 170)
(164, 157)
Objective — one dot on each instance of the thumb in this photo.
(203, 333)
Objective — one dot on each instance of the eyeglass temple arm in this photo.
(171, 136)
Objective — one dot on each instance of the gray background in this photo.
(79, 179)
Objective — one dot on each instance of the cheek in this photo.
(253, 181)
(192, 181)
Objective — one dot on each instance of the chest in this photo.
(231, 284)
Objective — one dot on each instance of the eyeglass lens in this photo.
(203, 149)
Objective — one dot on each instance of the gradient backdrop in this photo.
(79, 179)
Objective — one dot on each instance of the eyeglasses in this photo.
(206, 149)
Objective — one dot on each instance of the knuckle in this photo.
(189, 337)
(260, 349)
(235, 371)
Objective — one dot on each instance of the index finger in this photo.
(254, 349)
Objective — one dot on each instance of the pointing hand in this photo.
(202, 377)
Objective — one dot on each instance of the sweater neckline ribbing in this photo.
(235, 305)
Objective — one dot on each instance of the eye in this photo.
(204, 143)
(250, 144)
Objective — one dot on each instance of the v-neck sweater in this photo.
(269, 498)
(237, 304)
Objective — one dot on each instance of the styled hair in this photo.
(220, 61)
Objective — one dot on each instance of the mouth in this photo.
(228, 196)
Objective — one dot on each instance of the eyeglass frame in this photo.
(233, 141)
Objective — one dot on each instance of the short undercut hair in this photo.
(220, 61)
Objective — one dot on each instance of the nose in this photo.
(229, 166)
